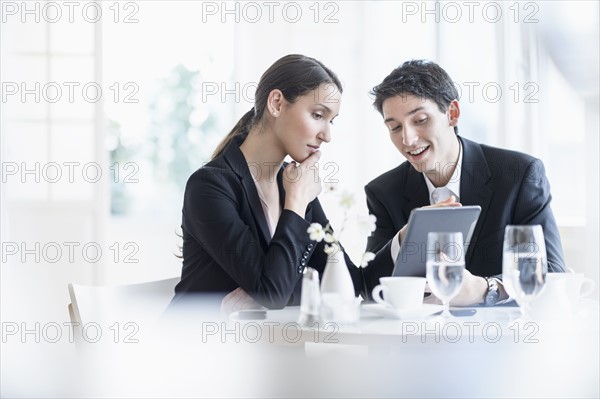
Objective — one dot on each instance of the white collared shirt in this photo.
(437, 194)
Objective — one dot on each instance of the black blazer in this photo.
(226, 240)
(510, 187)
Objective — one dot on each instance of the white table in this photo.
(490, 357)
(200, 355)
(488, 324)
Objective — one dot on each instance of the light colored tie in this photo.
(440, 194)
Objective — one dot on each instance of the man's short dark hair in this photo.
(421, 78)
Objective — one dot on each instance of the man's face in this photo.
(423, 134)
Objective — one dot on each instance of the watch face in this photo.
(492, 294)
(491, 298)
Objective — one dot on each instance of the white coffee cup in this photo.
(400, 292)
(576, 285)
(561, 294)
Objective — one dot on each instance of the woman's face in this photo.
(302, 126)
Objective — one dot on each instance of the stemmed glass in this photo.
(445, 266)
(524, 264)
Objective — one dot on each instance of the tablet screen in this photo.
(413, 250)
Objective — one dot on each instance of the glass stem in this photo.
(446, 311)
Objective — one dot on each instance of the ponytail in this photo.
(240, 129)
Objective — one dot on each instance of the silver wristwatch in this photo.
(492, 293)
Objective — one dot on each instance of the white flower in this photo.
(367, 257)
(331, 249)
(316, 232)
(330, 238)
(347, 200)
(367, 224)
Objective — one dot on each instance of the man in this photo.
(419, 105)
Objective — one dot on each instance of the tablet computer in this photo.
(413, 250)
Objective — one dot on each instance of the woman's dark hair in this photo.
(421, 78)
(295, 75)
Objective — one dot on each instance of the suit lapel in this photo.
(416, 193)
(474, 190)
(237, 162)
(280, 185)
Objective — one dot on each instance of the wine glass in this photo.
(445, 266)
(524, 264)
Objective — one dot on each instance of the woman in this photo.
(246, 213)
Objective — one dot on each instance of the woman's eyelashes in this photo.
(319, 116)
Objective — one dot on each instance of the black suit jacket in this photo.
(227, 244)
(510, 187)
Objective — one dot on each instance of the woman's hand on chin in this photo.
(302, 183)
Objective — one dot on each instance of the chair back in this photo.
(138, 303)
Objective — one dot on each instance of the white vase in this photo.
(336, 277)
(338, 303)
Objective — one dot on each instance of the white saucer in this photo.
(416, 313)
